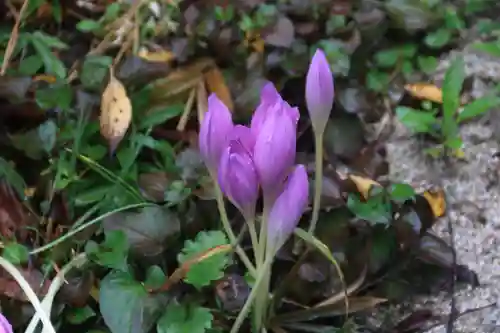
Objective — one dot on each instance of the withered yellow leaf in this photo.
(363, 184)
(116, 112)
(217, 84)
(437, 201)
(425, 91)
(157, 56)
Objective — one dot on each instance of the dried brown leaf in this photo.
(116, 112)
(216, 84)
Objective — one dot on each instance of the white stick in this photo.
(56, 284)
(25, 286)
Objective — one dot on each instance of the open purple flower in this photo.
(319, 91)
(214, 132)
(238, 177)
(5, 326)
(288, 208)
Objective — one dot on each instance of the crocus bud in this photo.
(214, 132)
(288, 208)
(269, 97)
(5, 326)
(238, 178)
(274, 152)
(319, 91)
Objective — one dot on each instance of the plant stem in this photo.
(255, 241)
(318, 181)
(229, 231)
(84, 226)
(260, 308)
(25, 286)
(263, 272)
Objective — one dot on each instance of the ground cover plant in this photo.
(191, 166)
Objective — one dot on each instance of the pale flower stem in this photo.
(263, 272)
(229, 231)
(318, 181)
(255, 241)
(30, 294)
(261, 300)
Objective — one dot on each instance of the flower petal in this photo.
(214, 132)
(288, 208)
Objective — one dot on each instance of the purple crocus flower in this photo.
(275, 145)
(319, 91)
(238, 177)
(288, 208)
(5, 326)
(269, 97)
(214, 132)
(245, 135)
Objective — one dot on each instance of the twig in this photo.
(30, 294)
(56, 284)
(13, 38)
(461, 314)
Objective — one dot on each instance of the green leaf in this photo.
(452, 19)
(15, 253)
(29, 143)
(48, 135)
(112, 11)
(155, 278)
(407, 69)
(452, 86)
(202, 273)
(478, 107)
(401, 192)
(438, 39)
(13, 178)
(492, 48)
(427, 64)
(78, 316)
(50, 41)
(377, 81)
(160, 115)
(373, 210)
(94, 71)
(52, 64)
(112, 252)
(30, 65)
(88, 25)
(126, 306)
(180, 318)
(417, 121)
(90, 196)
(58, 95)
(388, 58)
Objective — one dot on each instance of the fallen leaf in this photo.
(216, 84)
(437, 201)
(232, 291)
(283, 33)
(363, 184)
(425, 91)
(10, 288)
(116, 112)
(158, 56)
(148, 231)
